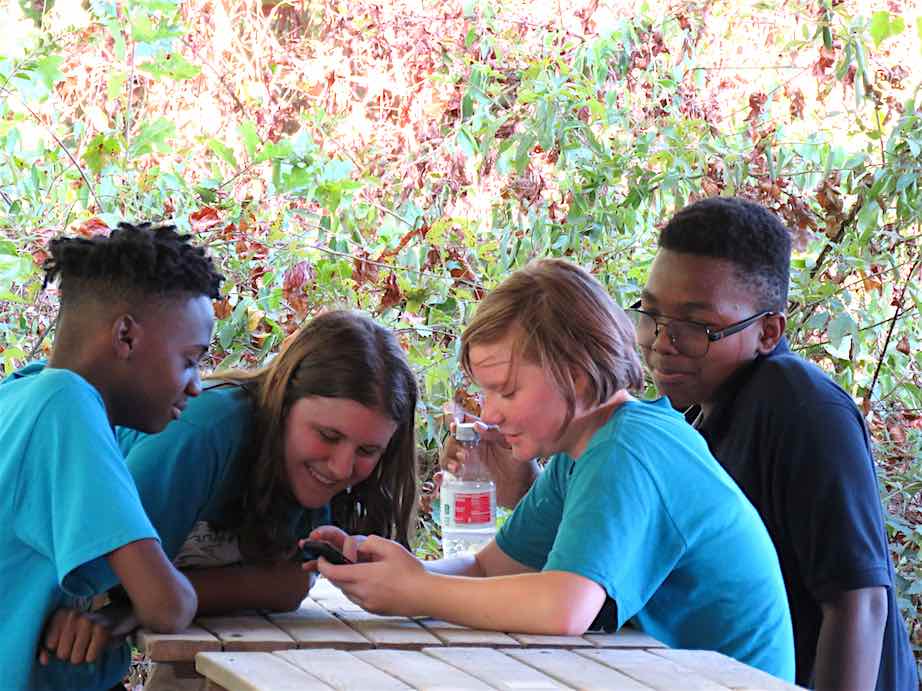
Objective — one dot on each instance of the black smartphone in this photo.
(314, 549)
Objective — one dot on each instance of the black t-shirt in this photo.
(797, 446)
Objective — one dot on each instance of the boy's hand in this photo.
(386, 581)
(75, 636)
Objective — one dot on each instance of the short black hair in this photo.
(744, 233)
(136, 261)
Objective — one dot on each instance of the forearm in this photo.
(851, 636)
(456, 566)
(224, 589)
(539, 603)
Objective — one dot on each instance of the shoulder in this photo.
(54, 390)
(638, 427)
(796, 382)
(647, 437)
(219, 405)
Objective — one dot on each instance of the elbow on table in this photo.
(288, 602)
(173, 614)
(567, 621)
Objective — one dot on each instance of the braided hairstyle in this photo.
(134, 261)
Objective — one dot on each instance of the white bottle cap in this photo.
(466, 431)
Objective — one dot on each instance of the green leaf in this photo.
(172, 65)
(467, 143)
(839, 327)
(249, 136)
(47, 69)
(101, 149)
(15, 269)
(153, 137)
(884, 25)
(223, 151)
(117, 79)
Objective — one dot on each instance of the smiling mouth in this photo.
(319, 478)
(667, 377)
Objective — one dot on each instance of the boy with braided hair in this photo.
(135, 319)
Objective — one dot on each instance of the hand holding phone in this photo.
(314, 549)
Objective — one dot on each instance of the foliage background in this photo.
(403, 156)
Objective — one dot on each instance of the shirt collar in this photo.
(727, 393)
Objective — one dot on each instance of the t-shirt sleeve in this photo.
(616, 529)
(605, 521)
(528, 534)
(76, 501)
(178, 473)
(831, 500)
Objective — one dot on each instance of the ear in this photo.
(126, 334)
(580, 383)
(771, 331)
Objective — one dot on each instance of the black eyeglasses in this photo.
(690, 338)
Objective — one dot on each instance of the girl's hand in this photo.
(75, 636)
(345, 543)
(386, 582)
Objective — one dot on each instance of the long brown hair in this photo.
(339, 354)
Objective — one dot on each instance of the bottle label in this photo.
(473, 507)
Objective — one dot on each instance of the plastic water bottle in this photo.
(468, 502)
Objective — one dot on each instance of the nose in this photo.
(194, 387)
(341, 463)
(490, 410)
(662, 339)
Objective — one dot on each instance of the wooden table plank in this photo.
(533, 640)
(421, 671)
(311, 626)
(325, 590)
(176, 647)
(493, 667)
(649, 669)
(247, 632)
(453, 634)
(576, 671)
(255, 672)
(343, 671)
(626, 637)
(723, 669)
(388, 632)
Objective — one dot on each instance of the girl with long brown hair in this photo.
(324, 434)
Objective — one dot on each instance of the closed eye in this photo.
(328, 435)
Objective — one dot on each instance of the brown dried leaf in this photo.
(392, 295)
(203, 219)
(363, 270)
(93, 227)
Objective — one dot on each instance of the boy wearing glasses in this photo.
(711, 326)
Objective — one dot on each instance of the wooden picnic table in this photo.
(330, 643)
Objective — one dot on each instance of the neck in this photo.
(587, 423)
(93, 374)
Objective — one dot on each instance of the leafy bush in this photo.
(402, 158)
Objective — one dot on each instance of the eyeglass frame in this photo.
(712, 335)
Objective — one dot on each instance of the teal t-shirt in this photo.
(68, 500)
(189, 471)
(648, 514)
